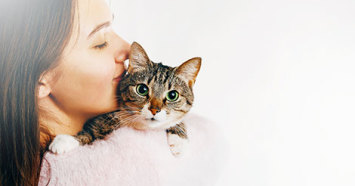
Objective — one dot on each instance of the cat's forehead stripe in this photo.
(167, 74)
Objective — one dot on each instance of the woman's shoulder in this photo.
(133, 157)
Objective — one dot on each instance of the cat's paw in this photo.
(63, 143)
(177, 144)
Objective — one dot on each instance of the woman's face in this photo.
(92, 63)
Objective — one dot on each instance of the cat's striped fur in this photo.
(153, 110)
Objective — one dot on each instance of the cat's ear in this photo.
(188, 70)
(138, 58)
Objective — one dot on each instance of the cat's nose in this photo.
(155, 105)
(154, 111)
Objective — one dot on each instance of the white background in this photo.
(278, 76)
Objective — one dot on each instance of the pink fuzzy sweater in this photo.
(130, 157)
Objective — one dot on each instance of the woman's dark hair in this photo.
(33, 35)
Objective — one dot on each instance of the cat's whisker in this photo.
(130, 120)
(124, 114)
(134, 118)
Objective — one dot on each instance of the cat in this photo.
(150, 95)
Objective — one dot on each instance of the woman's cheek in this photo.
(99, 82)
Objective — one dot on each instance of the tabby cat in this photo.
(150, 95)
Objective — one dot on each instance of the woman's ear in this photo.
(44, 88)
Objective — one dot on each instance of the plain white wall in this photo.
(277, 75)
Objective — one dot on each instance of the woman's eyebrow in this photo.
(100, 26)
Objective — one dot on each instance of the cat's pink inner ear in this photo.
(188, 70)
(138, 58)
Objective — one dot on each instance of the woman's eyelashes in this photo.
(101, 46)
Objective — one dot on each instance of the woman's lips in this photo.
(118, 78)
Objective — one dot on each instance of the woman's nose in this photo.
(122, 52)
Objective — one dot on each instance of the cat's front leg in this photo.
(97, 128)
(177, 139)
(63, 143)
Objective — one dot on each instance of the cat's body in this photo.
(150, 95)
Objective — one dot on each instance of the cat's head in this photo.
(152, 95)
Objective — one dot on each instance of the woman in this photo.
(60, 63)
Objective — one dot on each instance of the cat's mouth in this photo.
(151, 119)
(153, 122)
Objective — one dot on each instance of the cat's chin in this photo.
(162, 124)
(151, 124)
(154, 124)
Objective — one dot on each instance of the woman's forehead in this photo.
(90, 14)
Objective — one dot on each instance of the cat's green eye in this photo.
(172, 95)
(142, 89)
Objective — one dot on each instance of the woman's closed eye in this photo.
(101, 46)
